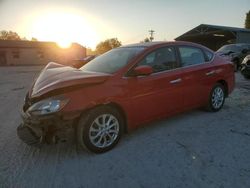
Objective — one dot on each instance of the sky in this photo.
(90, 21)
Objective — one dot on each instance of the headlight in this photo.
(47, 106)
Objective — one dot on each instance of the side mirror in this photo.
(244, 51)
(143, 70)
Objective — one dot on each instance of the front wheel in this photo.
(100, 129)
(216, 98)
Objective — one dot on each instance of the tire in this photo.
(100, 129)
(216, 98)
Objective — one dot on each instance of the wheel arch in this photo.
(121, 112)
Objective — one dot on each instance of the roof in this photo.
(152, 44)
(209, 29)
(24, 44)
(235, 29)
(29, 44)
(144, 44)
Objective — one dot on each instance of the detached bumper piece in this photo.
(28, 136)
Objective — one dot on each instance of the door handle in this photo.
(210, 73)
(175, 81)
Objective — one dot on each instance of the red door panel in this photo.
(198, 81)
(155, 95)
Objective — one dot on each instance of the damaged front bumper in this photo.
(36, 130)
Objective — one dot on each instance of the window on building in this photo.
(40, 54)
(16, 54)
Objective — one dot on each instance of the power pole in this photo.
(151, 33)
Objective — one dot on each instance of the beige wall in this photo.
(38, 56)
(26, 56)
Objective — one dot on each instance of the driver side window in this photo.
(161, 59)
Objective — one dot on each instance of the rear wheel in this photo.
(217, 98)
(100, 130)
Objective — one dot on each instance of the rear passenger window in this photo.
(209, 55)
(191, 56)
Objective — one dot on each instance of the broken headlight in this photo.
(47, 106)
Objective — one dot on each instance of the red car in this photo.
(121, 90)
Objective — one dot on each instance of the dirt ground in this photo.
(194, 149)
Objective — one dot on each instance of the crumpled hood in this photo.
(56, 76)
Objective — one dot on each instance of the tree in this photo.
(89, 51)
(247, 21)
(107, 45)
(145, 40)
(9, 35)
(34, 39)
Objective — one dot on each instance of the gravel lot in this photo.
(194, 149)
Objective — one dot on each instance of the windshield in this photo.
(232, 48)
(113, 60)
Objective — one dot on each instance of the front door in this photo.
(160, 93)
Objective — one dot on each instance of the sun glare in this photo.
(64, 27)
(64, 44)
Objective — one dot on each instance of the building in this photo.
(214, 36)
(37, 53)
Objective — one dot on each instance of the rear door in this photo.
(160, 93)
(198, 73)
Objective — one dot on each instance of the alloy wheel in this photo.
(217, 97)
(104, 130)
